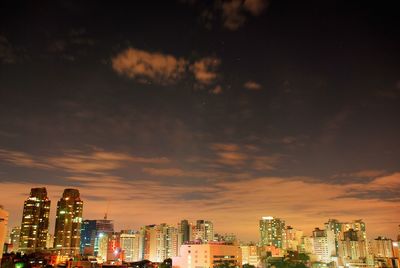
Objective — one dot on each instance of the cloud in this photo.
(204, 70)
(225, 147)
(248, 155)
(217, 90)
(147, 67)
(95, 161)
(22, 159)
(231, 158)
(367, 173)
(154, 67)
(266, 162)
(235, 12)
(251, 85)
(255, 7)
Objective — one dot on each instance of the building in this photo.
(184, 230)
(35, 221)
(130, 241)
(3, 229)
(335, 226)
(158, 242)
(382, 247)
(204, 230)
(67, 231)
(272, 231)
(104, 227)
(207, 255)
(353, 248)
(292, 239)
(324, 245)
(250, 255)
(15, 237)
(88, 237)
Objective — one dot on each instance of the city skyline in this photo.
(77, 216)
(225, 110)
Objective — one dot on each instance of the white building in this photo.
(130, 246)
(207, 255)
(324, 245)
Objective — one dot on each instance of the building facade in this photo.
(3, 229)
(272, 231)
(35, 221)
(67, 231)
(208, 255)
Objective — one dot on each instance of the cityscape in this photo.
(199, 134)
(78, 242)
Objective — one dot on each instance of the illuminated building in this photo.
(88, 237)
(382, 247)
(15, 237)
(35, 221)
(292, 239)
(204, 230)
(67, 231)
(208, 255)
(250, 255)
(324, 245)
(353, 248)
(272, 231)
(50, 241)
(130, 246)
(3, 229)
(104, 227)
(335, 226)
(114, 253)
(158, 242)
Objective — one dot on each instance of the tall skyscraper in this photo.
(35, 221)
(68, 223)
(3, 228)
(272, 231)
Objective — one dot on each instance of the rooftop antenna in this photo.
(105, 214)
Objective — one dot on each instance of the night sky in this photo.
(222, 110)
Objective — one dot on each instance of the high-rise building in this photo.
(324, 245)
(184, 229)
(353, 248)
(382, 247)
(335, 226)
(272, 231)
(129, 241)
(35, 221)
(67, 231)
(158, 242)
(3, 229)
(15, 237)
(204, 231)
(88, 237)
